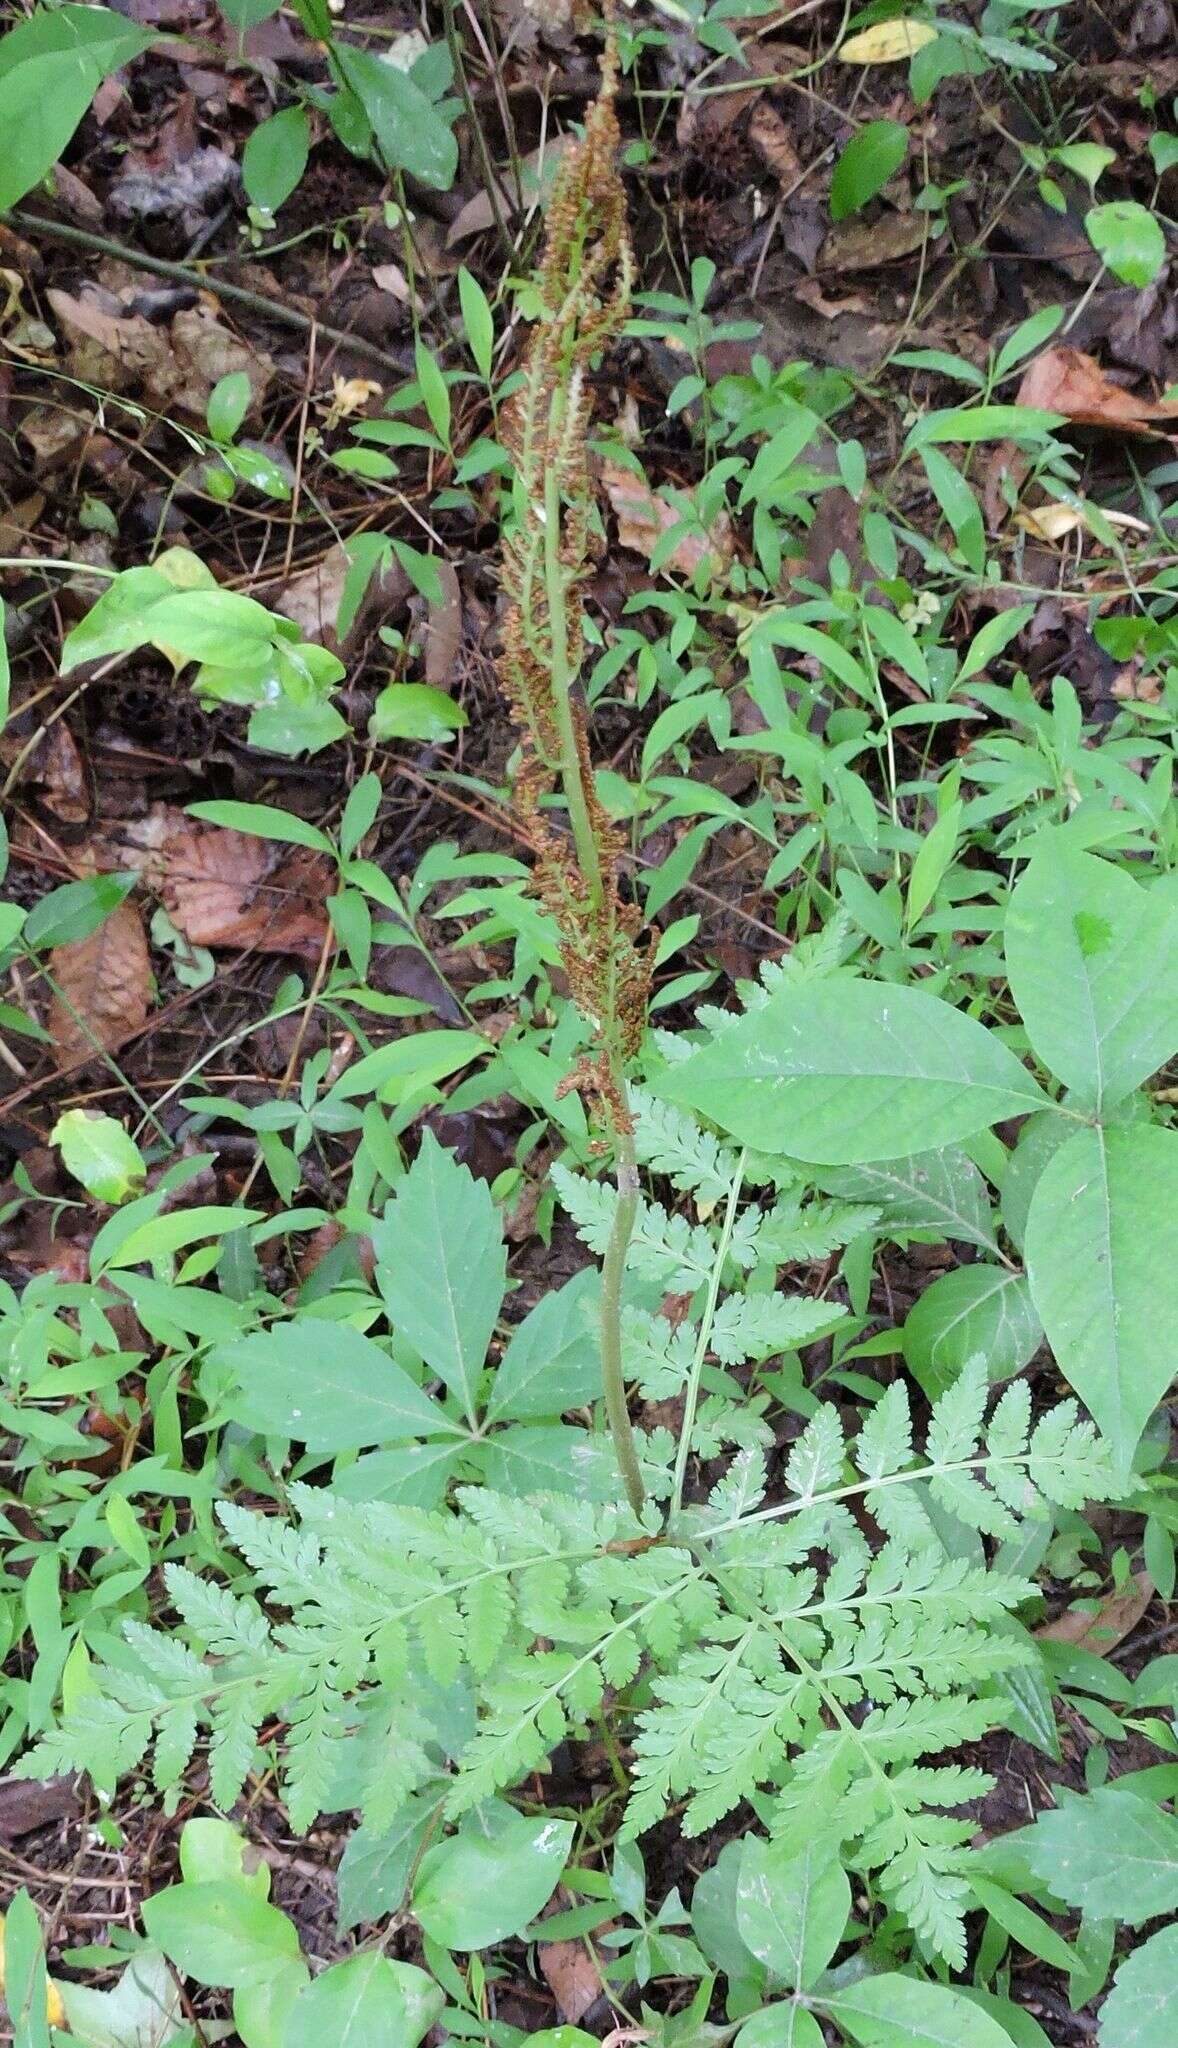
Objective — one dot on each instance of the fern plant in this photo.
(753, 1643)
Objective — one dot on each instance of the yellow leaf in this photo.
(886, 42)
(54, 2009)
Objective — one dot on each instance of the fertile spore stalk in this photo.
(584, 287)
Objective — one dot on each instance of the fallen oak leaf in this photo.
(573, 1977)
(1065, 380)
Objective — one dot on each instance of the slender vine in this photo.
(584, 285)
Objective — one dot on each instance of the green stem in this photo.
(613, 1378)
(695, 1376)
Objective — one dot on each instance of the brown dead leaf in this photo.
(1056, 521)
(52, 435)
(443, 631)
(811, 294)
(202, 353)
(133, 843)
(572, 1978)
(865, 245)
(1066, 381)
(103, 347)
(57, 766)
(1113, 1620)
(225, 888)
(773, 143)
(175, 367)
(389, 277)
(26, 1806)
(105, 987)
(312, 597)
(18, 521)
(643, 518)
(537, 169)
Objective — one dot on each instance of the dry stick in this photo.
(454, 45)
(183, 273)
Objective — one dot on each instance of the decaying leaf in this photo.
(56, 765)
(537, 171)
(174, 367)
(105, 987)
(443, 631)
(865, 245)
(773, 143)
(811, 294)
(225, 888)
(1066, 381)
(203, 352)
(1056, 521)
(888, 42)
(117, 351)
(1099, 1632)
(643, 518)
(573, 1977)
(312, 597)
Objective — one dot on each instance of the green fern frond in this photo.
(782, 1654)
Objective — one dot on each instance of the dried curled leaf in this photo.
(104, 985)
(1066, 381)
(1056, 521)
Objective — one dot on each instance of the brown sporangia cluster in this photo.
(584, 284)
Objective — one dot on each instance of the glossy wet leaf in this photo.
(491, 1879)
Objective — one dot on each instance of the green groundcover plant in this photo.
(401, 1547)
